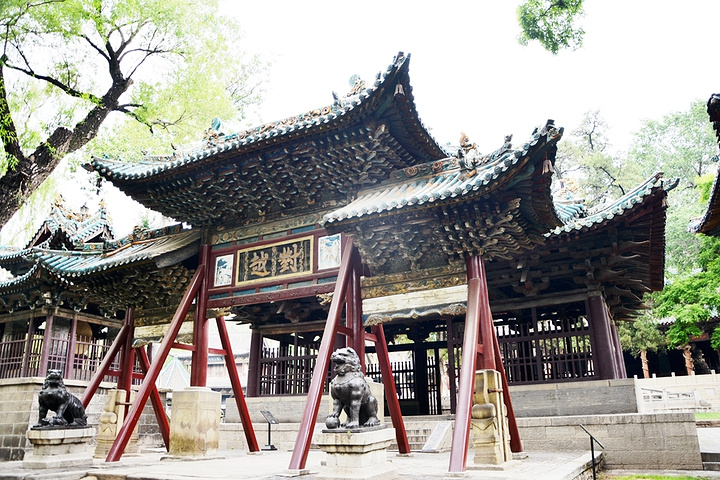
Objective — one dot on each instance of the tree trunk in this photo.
(689, 363)
(644, 360)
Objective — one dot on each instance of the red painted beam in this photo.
(127, 356)
(128, 426)
(237, 387)
(354, 311)
(198, 368)
(157, 404)
(302, 443)
(390, 389)
(515, 443)
(466, 381)
(104, 365)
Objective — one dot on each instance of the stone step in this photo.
(710, 456)
(711, 466)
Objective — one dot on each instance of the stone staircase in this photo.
(711, 461)
(416, 438)
(420, 429)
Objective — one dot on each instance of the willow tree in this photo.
(69, 66)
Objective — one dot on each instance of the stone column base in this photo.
(59, 447)
(195, 423)
(356, 454)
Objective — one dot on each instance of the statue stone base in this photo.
(59, 447)
(357, 454)
(195, 423)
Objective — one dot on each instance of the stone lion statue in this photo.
(350, 393)
(69, 411)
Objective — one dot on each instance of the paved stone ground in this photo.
(273, 466)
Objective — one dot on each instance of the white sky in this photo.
(640, 59)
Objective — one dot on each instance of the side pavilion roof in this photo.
(147, 269)
(428, 215)
(314, 157)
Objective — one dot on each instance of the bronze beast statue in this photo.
(350, 393)
(69, 411)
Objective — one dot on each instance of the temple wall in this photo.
(19, 411)
(661, 441)
(596, 397)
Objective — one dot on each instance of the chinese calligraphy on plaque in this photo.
(289, 258)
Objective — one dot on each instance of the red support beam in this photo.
(461, 433)
(354, 311)
(133, 416)
(237, 387)
(198, 369)
(347, 290)
(302, 443)
(105, 365)
(515, 443)
(390, 389)
(127, 356)
(157, 403)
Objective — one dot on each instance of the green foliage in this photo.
(131, 75)
(681, 145)
(691, 300)
(641, 335)
(552, 23)
(600, 176)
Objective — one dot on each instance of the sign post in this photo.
(271, 421)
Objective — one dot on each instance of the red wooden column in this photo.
(604, 359)
(353, 310)
(47, 345)
(72, 345)
(163, 423)
(256, 343)
(127, 356)
(28, 348)
(198, 369)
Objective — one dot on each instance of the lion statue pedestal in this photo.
(356, 445)
(59, 447)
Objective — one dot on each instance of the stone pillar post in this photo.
(491, 437)
(195, 422)
(111, 420)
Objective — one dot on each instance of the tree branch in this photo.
(57, 83)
